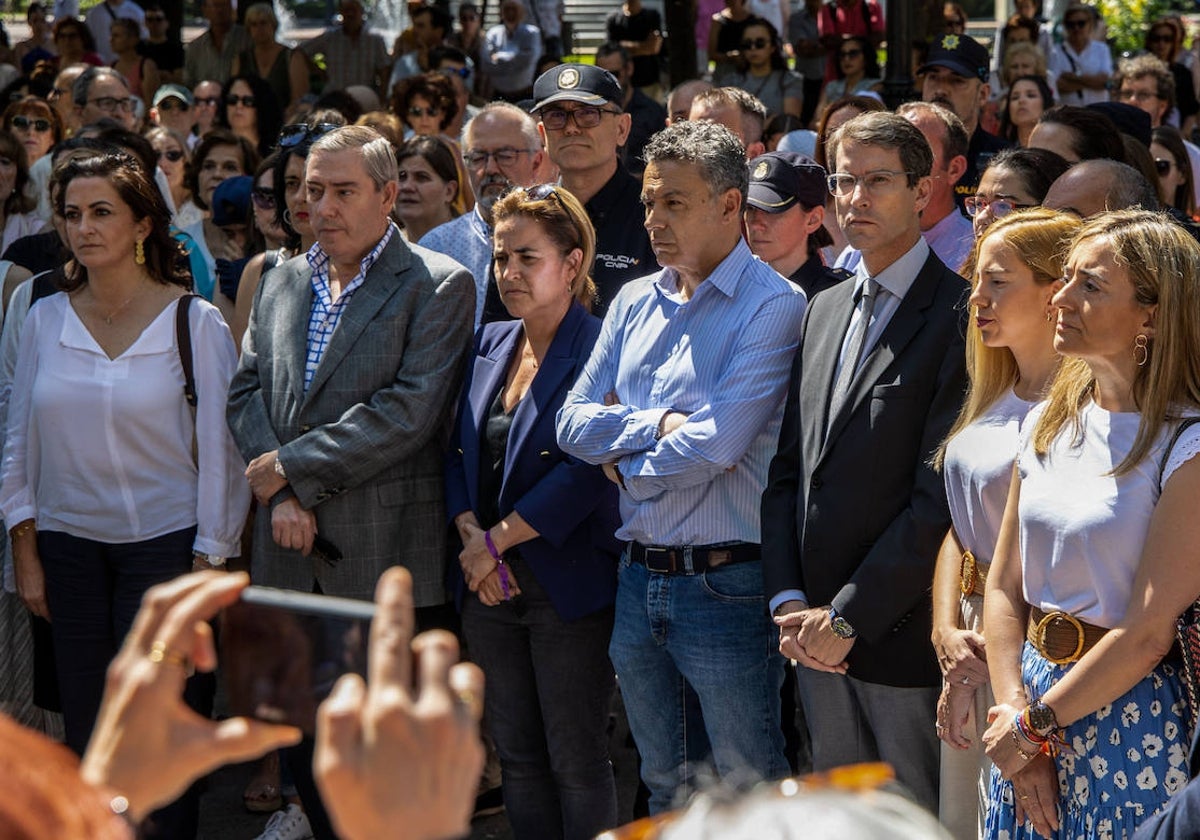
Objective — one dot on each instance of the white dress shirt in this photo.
(101, 448)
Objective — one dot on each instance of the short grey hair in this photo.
(886, 131)
(754, 113)
(378, 157)
(528, 124)
(83, 85)
(711, 147)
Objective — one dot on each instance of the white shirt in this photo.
(1082, 529)
(978, 472)
(1095, 59)
(101, 448)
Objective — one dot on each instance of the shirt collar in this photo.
(724, 277)
(318, 260)
(898, 277)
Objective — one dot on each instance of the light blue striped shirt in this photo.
(724, 358)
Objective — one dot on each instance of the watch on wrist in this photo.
(1042, 719)
(279, 469)
(842, 628)
(212, 560)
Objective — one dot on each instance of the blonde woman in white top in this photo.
(1097, 549)
(101, 487)
(1010, 360)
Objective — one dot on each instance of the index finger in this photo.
(157, 602)
(389, 661)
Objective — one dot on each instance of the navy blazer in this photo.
(571, 505)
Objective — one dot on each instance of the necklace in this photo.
(108, 319)
(530, 355)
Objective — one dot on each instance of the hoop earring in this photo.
(1141, 350)
(139, 253)
(287, 218)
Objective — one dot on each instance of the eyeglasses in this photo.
(431, 111)
(39, 125)
(173, 155)
(171, 105)
(300, 133)
(850, 53)
(999, 206)
(1077, 23)
(463, 73)
(879, 182)
(1128, 95)
(755, 43)
(1163, 166)
(111, 103)
(1165, 38)
(233, 99)
(588, 116)
(263, 198)
(503, 157)
(207, 101)
(56, 93)
(955, 22)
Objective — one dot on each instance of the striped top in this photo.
(723, 357)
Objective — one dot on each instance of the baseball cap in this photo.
(178, 91)
(779, 179)
(231, 201)
(960, 53)
(584, 83)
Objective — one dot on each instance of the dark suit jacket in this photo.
(569, 503)
(856, 520)
(362, 447)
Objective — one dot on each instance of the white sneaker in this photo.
(288, 824)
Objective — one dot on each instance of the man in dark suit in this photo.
(353, 354)
(853, 514)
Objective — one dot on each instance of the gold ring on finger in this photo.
(470, 700)
(161, 654)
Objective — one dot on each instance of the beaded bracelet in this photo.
(501, 566)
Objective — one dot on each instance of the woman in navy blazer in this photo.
(537, 574)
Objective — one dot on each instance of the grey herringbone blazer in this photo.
(363, 447)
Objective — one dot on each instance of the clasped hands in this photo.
(479, 568)
(962, 658)
(292, 526)
(806, 635)
(1034, 780)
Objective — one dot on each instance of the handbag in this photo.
(1187, 626)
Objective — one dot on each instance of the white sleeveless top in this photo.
(1081, 528)
(978, 472)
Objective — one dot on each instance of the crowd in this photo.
(829, 434)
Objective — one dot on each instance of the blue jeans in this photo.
(710, 632)
(549, 689)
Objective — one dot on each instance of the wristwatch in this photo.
(842, 628)
(213, 560)
(1042, 719)
(279, 469)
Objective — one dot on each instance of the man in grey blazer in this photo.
(853, 514)
(351, 361)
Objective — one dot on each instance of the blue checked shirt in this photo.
(724, 358)
(326, 312)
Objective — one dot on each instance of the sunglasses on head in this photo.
(296, 134)
(40, 125)
(1163, 166)
(233, 99)
(755, 43)
(173, 155)
(263, 198)
(431, 111)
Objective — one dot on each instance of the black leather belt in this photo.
(692, 559)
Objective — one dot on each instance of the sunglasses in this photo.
(263, 198)
(208, 101)
(955, 22)
(39, 125)
(850, 53)
(462, 72)
(172, 105)
(173, 155)
(543, 192)
(232, 99)
(755, 43)
(298, 134)
(588, 116)
(1077, 23)
(1160, 39)
(1163, 166)
(431, 111)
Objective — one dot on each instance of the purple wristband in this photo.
(501, 567)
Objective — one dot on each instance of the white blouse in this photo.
(101, 448)
(1081, 528)
(978, 473)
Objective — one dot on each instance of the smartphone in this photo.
(282, 651)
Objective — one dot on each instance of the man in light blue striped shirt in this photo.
(681, 401)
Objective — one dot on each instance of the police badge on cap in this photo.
(583, 83)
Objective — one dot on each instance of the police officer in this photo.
(584, 128)
(785, 216)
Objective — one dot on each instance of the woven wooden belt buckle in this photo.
(968, 569)
(1051, 621)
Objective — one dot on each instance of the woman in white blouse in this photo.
(110, 483)
(1010, 361)
(1097, 549)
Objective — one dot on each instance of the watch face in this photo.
(1041, 718)
(841, 627)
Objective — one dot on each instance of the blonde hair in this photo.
(1040, 237)
(566, 223)
(1163, 264)
(1015, 51)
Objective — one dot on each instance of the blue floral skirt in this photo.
(1129, 758)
